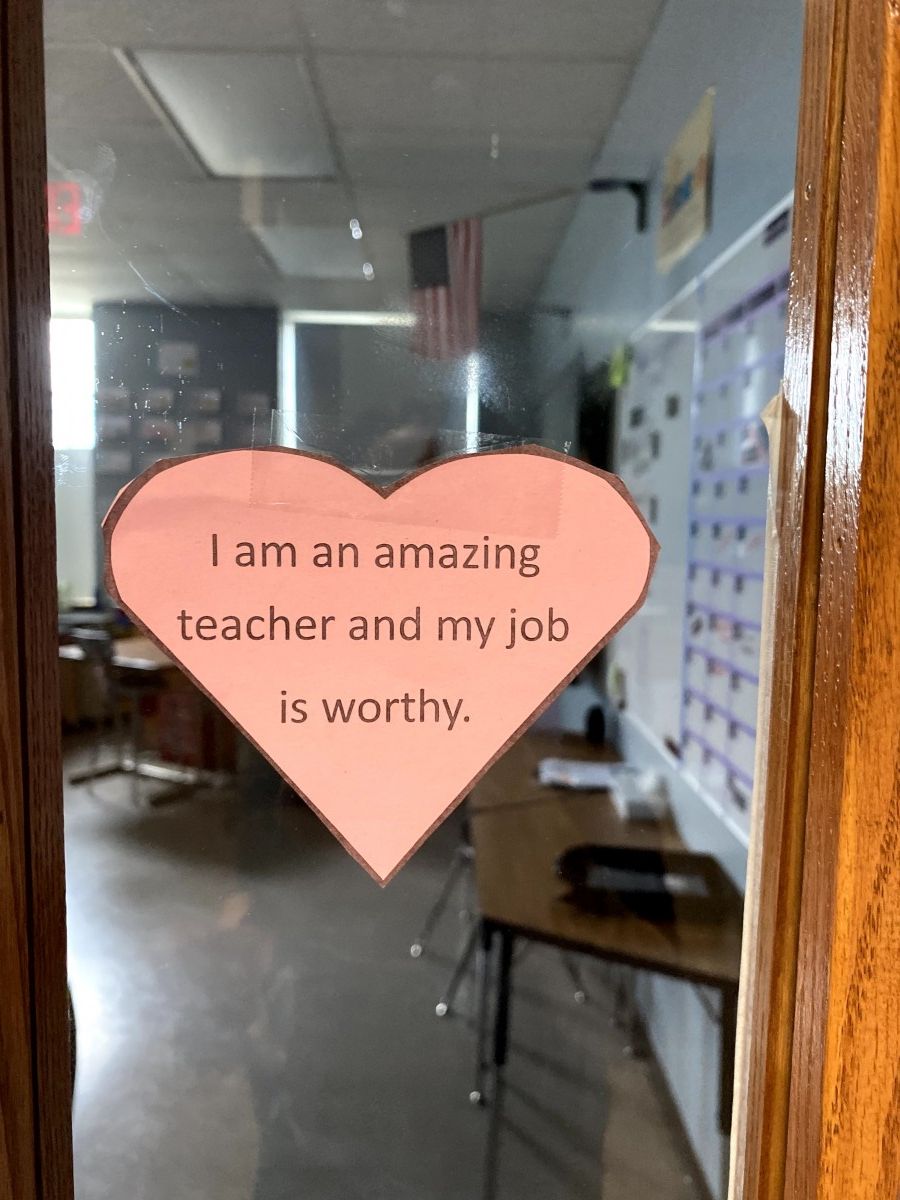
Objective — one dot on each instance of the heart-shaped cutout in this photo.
(381, 647)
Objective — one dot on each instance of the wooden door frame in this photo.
(817, 1099)
(35, 1080)
(818, 1086)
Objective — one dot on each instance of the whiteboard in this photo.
(692, 450)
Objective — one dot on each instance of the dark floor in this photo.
(252, 1027)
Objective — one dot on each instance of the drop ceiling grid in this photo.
(413, 126)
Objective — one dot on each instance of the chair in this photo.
(117, 689)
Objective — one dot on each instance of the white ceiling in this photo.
(434, 109)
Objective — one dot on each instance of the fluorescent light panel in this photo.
(244, 115)
(325, 316)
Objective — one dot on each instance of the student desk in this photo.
(129, 654)
(140, 665)
(519, 828)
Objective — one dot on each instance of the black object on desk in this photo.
(657, 885)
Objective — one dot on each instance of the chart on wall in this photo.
(689, 666)
(741, 363)
(652, 446)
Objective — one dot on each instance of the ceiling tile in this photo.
(313, 252)
(407, 209)
(503, 28)
(222, 24)
(87, 89)
(422, 162)
(415, 88)
(146, 152)
(365, 94)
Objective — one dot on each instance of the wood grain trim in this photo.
(28, 537)
(844, 1136)
(762, 1092)
(17, 1135)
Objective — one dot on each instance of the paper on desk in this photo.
(636, 794)
(569, 772)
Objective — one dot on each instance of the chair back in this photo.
(95, 644)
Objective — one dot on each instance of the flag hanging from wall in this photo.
(445, 274)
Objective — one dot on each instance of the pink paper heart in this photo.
(573, 564)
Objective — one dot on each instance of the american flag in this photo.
(445, 265)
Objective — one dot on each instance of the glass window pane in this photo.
(391, 232)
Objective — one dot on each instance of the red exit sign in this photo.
(64, 200)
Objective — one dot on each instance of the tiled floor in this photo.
(252, 1027)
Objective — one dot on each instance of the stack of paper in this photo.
(570, 773)
(637, 795)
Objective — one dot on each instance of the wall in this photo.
(605, 274)
(72, 384)
(76, 548)
(604, 271)
(366, 398)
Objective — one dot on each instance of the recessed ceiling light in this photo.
(355, 229)
(325, 316)
(368, 270)
(242, 115)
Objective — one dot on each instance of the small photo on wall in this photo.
(113, 426)
(254, 404)
(204, 435)
(109, 461)
(159, 431)
(114, 399)
(204, 400)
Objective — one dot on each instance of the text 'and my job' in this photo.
(413, 706)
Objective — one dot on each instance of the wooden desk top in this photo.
(513, 781)
(520, 828)
(131, 654)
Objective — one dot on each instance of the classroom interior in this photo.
(254, 214)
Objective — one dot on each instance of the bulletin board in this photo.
(173, 381)
(688, 664)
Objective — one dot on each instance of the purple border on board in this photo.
(729, 716)
(736, 771)
(731, 668)
(709, 611)
(724, 569)
(719, 381)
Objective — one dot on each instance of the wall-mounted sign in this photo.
(687, 188)
(381, 647)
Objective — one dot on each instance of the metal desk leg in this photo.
(728, 1037)
(501, 1048)
(444, 1006)
(461, 859)
(482, 975)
